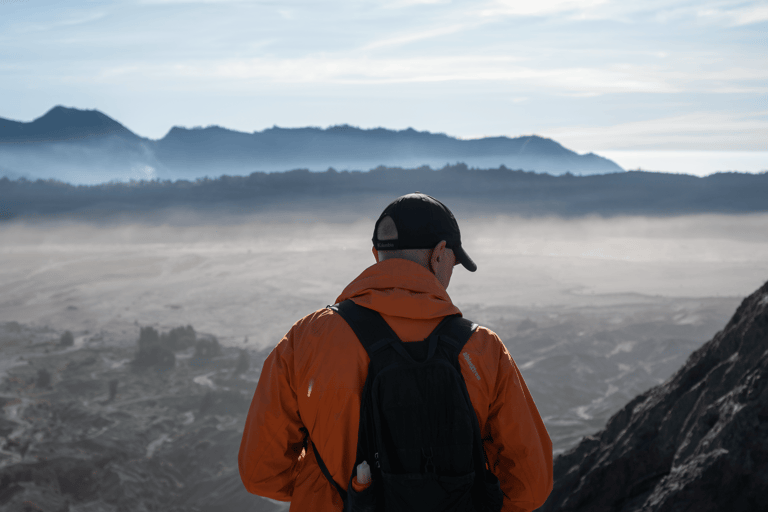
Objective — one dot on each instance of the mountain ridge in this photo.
(60, 124)
(88, 147)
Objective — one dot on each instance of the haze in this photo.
(257, 276)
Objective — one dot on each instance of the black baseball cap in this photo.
(422, 222)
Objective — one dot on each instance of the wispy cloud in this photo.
(331, 69)
(419, 35)
(720, 12)
(163, 2)
(538, 8)
(742, 15)
(725, 131)
(71, 20)
(399, 4)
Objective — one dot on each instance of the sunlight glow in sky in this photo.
(662, 75)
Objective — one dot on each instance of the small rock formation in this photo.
(243, 362)
(207, 348)
(698, 442)
(66, 340)
(151, 354)
(179, 338)
(148, 336)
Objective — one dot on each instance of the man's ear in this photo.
(438, 253)
(375, 254)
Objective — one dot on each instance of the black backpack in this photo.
(418, 430)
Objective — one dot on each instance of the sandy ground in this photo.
(255, 277)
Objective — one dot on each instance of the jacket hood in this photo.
(401, 288)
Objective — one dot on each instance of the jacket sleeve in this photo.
(518, 446)
(273, 438)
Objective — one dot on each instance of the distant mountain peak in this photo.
(60, 115)
(61, 124)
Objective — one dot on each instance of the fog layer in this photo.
(255, 277)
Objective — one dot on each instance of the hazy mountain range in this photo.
(87, 147)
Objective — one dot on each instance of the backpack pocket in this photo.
(362, 501)
(428, 492)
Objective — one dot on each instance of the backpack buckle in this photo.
(429, 461)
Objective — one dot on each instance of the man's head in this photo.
(419, 228)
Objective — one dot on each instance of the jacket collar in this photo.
(400, 288)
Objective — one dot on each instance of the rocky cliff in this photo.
(698, 442)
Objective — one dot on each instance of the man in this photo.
(312, 381)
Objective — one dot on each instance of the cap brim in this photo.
(464, 258)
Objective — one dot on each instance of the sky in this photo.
(629, 80)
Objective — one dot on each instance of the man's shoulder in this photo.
(480, 331)
(316, 322)
(485, 341)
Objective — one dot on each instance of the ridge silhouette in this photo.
(87, 146)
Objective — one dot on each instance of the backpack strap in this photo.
(373, 332)
(369, 327)
(327, 473)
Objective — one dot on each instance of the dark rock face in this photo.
(698, 442)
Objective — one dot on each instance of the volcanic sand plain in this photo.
(593, 310)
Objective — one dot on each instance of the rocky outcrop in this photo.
(100, 435)
(698, 442)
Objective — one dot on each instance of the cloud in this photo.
(736, 17)
(721, 12)
(725, 131)
(419, 36)
(77, 18)
(399, 4)
(162, 2)
(343, 70)
(538, 8)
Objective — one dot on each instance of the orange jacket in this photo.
(314, 377)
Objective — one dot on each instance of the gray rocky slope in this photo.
(698, 442)
(87, 429)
